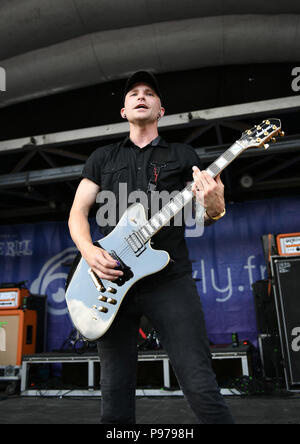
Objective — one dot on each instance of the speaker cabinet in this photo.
(17, 335)
(286, 278)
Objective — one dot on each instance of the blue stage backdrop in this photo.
(227, 259)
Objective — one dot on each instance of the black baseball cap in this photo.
(144, 77)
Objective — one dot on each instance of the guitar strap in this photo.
(157, 162)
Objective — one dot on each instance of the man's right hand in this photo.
(101, 263)
(98, 259)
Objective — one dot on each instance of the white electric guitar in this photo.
(93, 303)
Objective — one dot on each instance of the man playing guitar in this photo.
(169, 298)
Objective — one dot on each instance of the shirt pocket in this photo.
(113, 175)
(171, 177)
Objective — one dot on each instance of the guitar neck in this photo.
(225, 159)
(181, 199)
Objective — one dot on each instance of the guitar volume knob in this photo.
(102, 309)
(102, 298)
(111, 301)
(112, 290)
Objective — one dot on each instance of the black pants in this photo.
(175, 311)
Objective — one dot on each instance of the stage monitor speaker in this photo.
(286, 277)
(17, 336)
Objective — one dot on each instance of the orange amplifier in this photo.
(288, 244)
(12, 298)
(17, 335)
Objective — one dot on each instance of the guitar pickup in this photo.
(97, 281)
(136, 243)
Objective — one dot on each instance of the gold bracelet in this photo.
(218, 216)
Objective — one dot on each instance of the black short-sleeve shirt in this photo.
(126, 163)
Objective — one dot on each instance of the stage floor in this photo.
(155, 410)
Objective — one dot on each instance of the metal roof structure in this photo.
(223, 66)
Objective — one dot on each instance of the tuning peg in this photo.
(266, 146)
(281, 133)
(273, 139)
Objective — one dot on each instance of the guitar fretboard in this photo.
(225, 159)
(176, 204)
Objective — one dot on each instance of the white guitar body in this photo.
(84, 291)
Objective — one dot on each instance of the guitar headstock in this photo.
(261, 134)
